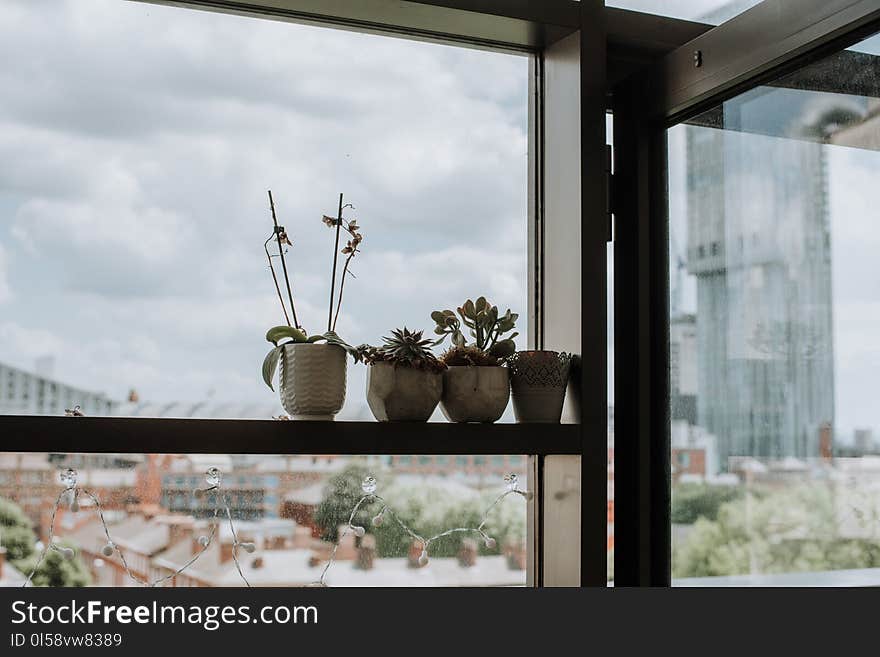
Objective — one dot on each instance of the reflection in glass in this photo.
(772, 351)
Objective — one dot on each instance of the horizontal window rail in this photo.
(21, 433)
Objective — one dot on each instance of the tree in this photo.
(341, 493)
(427, 510)
(56, 570)
(693, 501)
(17, 536)
(797, 529)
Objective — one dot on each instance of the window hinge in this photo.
(610, 197)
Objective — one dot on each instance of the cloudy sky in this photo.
(136, 147)
(137, 143)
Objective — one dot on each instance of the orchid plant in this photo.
(294, 333)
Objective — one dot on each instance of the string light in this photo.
(71, 491)
(369, 486)
(213, 477)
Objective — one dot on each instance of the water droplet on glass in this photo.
(68, 478)
(368, 485)
(212, 476)
(511, 481)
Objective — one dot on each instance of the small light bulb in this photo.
(203, 541)
(423, 558)
(107, 550)
(490, 542)
(378, 520)
(359, 531)
(67, 553)
(250, 548)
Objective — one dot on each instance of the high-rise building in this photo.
(28, 393)
(759, 247)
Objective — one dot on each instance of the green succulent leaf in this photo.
(481, 304)
(469, 310)
(270, 363)
(278, 333)
(503, 349)
(458, 339)
(439, 316)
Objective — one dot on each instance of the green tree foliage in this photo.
(428, 510)
(796, 529)
(56, 570)
(341, 493)
(17, 536)
(693, 501)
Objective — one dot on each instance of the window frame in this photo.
(763, 43)
(561, 37)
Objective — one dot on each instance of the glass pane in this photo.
(774, 307)
(712, 12)
(135, 156)
(287, 512)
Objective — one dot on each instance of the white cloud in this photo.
(134, 161)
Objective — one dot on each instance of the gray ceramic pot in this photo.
(397, 393)
(313, 380)
(538, 380)
(475, 394)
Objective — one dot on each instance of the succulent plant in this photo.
(404, 347)
(484, 324)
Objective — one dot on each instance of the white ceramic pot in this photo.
(312, 380)
(475, 394)
(397, 393)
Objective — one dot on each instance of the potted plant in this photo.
(404, 379)
(476, 386)
(313, 367)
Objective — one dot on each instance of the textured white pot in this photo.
(475, 394)
(402, 394)
(312, 380)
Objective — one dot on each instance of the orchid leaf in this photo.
(278, 333)
(269, 365)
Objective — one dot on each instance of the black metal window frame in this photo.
(771, 39)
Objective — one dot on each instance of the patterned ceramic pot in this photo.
(402, 394)
(475, 394)
(312, 380)
(538, 380)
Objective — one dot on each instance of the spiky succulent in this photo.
(404, 347)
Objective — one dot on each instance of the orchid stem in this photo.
(275, 278)
(335, 258)
(283, 263)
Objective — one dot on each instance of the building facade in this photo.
(759, 248)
